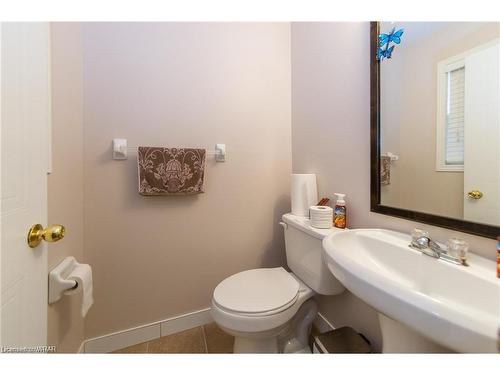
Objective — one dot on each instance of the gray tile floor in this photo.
(204, 339)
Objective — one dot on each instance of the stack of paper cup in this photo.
(321, 216)
(304, 193)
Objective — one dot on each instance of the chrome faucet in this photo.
(427, 246)
(431, 248)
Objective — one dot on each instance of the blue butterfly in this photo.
(387, 53)
(393, 36)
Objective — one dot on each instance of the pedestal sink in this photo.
(424, 304)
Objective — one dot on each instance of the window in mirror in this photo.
(450, 118)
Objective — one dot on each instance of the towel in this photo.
(385, 170)
(170, 171)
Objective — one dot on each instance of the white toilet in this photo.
(269, 310)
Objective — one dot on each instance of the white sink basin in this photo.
(454, 306)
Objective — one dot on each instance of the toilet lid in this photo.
(257, 291)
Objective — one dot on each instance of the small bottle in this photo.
(340, 212)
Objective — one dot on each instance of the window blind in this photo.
(454, 146)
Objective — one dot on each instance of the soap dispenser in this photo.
(340, 212)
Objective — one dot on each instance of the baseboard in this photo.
(322, 324)
(136, 335)
(186, 321)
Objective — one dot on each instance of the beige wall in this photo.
(182, 84)
(65, 183)
(330, 137)
(408, 117)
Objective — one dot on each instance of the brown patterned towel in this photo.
(385, 170)
(170, 171)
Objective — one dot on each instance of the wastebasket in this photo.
(341, 340)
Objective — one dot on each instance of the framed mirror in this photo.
(435, 123)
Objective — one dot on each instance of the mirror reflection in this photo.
(440, 118)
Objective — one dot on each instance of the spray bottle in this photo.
(340, 212)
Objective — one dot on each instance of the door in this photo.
(482, 136)
(25, 130)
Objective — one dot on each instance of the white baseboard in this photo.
(186, 321)
(136, 335)
(322, 324)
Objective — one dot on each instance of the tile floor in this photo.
(204, 339)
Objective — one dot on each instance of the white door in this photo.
(25, 129)
(482, 136)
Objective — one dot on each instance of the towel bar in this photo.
(120, 150)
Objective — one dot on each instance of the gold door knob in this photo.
(475, 194)
(52, 233)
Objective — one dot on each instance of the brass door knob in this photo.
(52, 233)
(475, 194)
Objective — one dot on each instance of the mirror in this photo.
(435, 123)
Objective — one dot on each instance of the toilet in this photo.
(271, 310)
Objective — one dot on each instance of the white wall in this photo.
(65, 326)
(182, 84)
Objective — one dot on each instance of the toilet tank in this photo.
(304, 254)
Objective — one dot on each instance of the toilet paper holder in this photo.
(58, 279)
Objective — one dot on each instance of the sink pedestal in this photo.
(399, 338)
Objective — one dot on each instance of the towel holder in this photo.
(120, 150)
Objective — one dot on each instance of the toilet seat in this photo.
(272, 318)
(257, 292)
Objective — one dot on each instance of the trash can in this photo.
(341, 340)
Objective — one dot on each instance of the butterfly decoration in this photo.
(384, 49)
(387, 53)
(393, 36)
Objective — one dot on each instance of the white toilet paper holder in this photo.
(58, 279)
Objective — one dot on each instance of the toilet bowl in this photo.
(270, 310)
(257, 307)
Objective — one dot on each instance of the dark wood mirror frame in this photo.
(375, 204)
